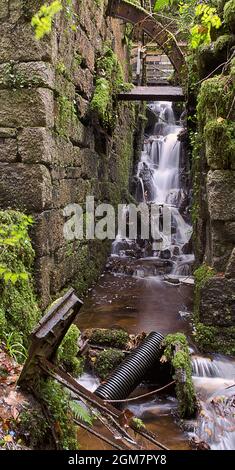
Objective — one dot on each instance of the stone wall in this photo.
(214, 212)
(51, 152)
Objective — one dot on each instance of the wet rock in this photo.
(230, 269)
(217, 304)
(165, 254)
(221, 194)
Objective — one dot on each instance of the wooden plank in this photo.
(151, 93)
(48, 334)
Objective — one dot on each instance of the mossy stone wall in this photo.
(53, 148)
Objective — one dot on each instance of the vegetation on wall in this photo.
(19, 311)
(109, 81)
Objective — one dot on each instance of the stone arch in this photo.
(131, 13)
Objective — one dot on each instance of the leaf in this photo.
(80, 412)
(160, 4)
(220, 119)
(8, 438)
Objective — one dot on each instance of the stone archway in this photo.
(131, 13)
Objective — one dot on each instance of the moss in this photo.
(66, 115)
(33, 429)
(214, 99)
(109, 82)
(57, 402)
(114, 338)
(201, 275)
(229, 15)
(177, 353)
(92, 257)
(224, 42)
(215, 339)
(68, 351)
(18, 305)
(220, 143)
(107, 361)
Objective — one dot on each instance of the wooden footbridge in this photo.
(163, 38)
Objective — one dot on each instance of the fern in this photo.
(79, 411)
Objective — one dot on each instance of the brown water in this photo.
(136, 305)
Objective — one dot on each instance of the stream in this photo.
(148, 286)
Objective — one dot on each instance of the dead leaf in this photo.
(8, 438)
(125, 418)
(220, 119)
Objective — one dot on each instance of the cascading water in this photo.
(159, 181)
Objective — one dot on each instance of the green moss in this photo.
(201, 274)
(220, 143)
(57, 402)
(92, 257)
(66, 115)
(114, 338)
(177, 353)
(18, 305)
(215, 339)
(214, 99)
(107, 361)
(33, 429)
(68, 351)
(224, 42)
(229, 15)
(109, 82)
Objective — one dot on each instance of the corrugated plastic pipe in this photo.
(132, 371)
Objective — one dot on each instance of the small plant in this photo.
(80, 412)
(14, 346)
(138, 423)
(208, 19)
(42, 20)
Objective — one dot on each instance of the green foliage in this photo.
(81, 413)
(114, 338)
(176, 351)
(220, 143)
(33, 428)
(201, 275)
(229, 14)
(107, 361)
(214, 99)
(207, 19)
(215, 339)
(109, 82)
(68, 351)
(138, 424)
(58, 403)
(18, 306)
(161, 4)
(14, 347)
(42, 20)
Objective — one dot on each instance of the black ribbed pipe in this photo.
(132, 371)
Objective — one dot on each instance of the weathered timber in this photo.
(69, 382)
(162, 36)
(153, 93)
(48, 334)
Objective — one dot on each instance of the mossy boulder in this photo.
(229, 15)
(220, 143)
(107, 361)
(108, 337)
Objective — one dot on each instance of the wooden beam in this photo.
(153, 93)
